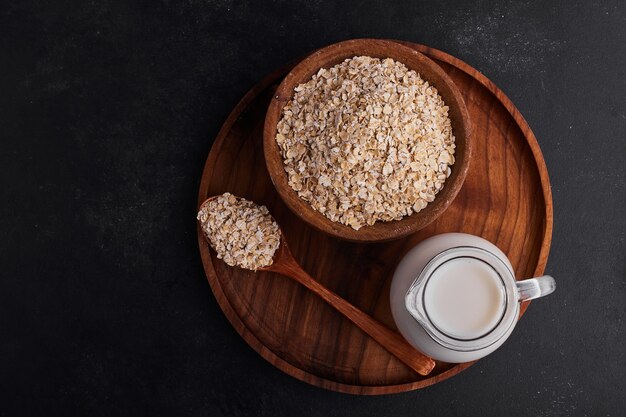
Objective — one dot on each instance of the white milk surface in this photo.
(464, 298)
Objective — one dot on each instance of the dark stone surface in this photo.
(107, 113)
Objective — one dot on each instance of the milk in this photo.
(455, 298)
(464, 298)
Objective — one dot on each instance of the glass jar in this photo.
(413, 306)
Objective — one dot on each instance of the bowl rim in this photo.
(327, 57)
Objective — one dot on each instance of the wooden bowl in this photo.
(431, 72)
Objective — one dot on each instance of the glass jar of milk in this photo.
(455, 298)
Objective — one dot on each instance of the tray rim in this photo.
(299, 373)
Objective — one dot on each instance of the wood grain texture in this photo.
(506, 199)
(285, 264)
(378, 48)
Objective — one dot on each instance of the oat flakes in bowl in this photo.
(367, 140)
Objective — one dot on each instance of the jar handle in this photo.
(529, 289)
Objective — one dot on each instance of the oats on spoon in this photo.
(243, 233)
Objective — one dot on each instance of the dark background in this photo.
(107, 113)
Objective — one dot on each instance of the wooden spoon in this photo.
(285, 264)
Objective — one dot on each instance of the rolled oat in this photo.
(366, 140)
(241, 232)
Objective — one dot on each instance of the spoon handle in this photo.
(387, 338)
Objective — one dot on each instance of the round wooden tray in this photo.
(506, 199)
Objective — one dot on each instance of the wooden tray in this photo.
(506, 199)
